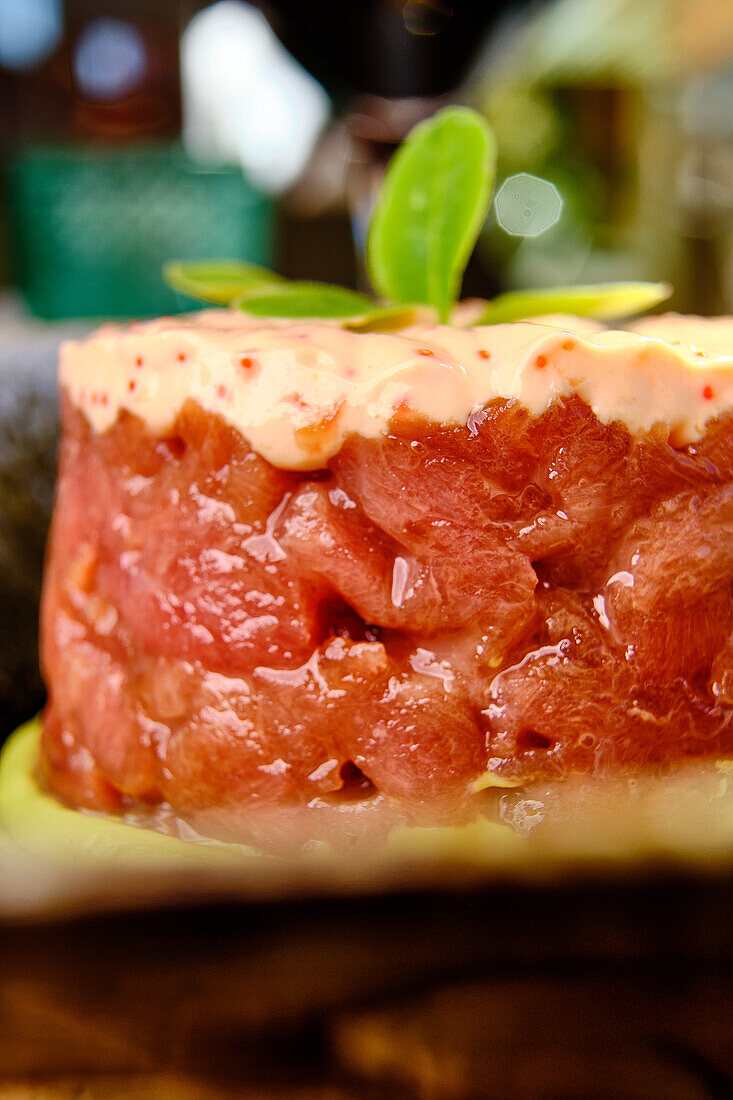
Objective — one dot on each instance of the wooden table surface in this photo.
(593, 988)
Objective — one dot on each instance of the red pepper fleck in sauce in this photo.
(541, 362)
(181, 356)
(484, 353)
(131, 385)
(425, 351)
(245, 362)
(310, 437)
(104, 399)
(708, 393)
(568, 345)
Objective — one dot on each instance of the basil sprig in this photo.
(425, 224)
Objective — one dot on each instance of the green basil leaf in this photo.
(604, 301)
(218, 281)
(302, 299)
(431, 208)
(387, 319)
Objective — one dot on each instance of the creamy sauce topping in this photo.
(295, 389)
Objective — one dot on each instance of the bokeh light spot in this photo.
(426, 17)
(527, 205)
(109, 59)
(29, 31)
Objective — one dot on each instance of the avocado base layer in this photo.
(41, 826)
(695, 830)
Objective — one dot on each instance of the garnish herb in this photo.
(424, 227)
(301, 299)
(218, 281)
(386, 319)
(604, 301)
(431, 208)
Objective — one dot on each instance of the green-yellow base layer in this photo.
(696, 828)
(39, 825)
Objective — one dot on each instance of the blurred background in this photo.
(134, 131)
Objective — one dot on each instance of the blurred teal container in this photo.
(92, 227)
